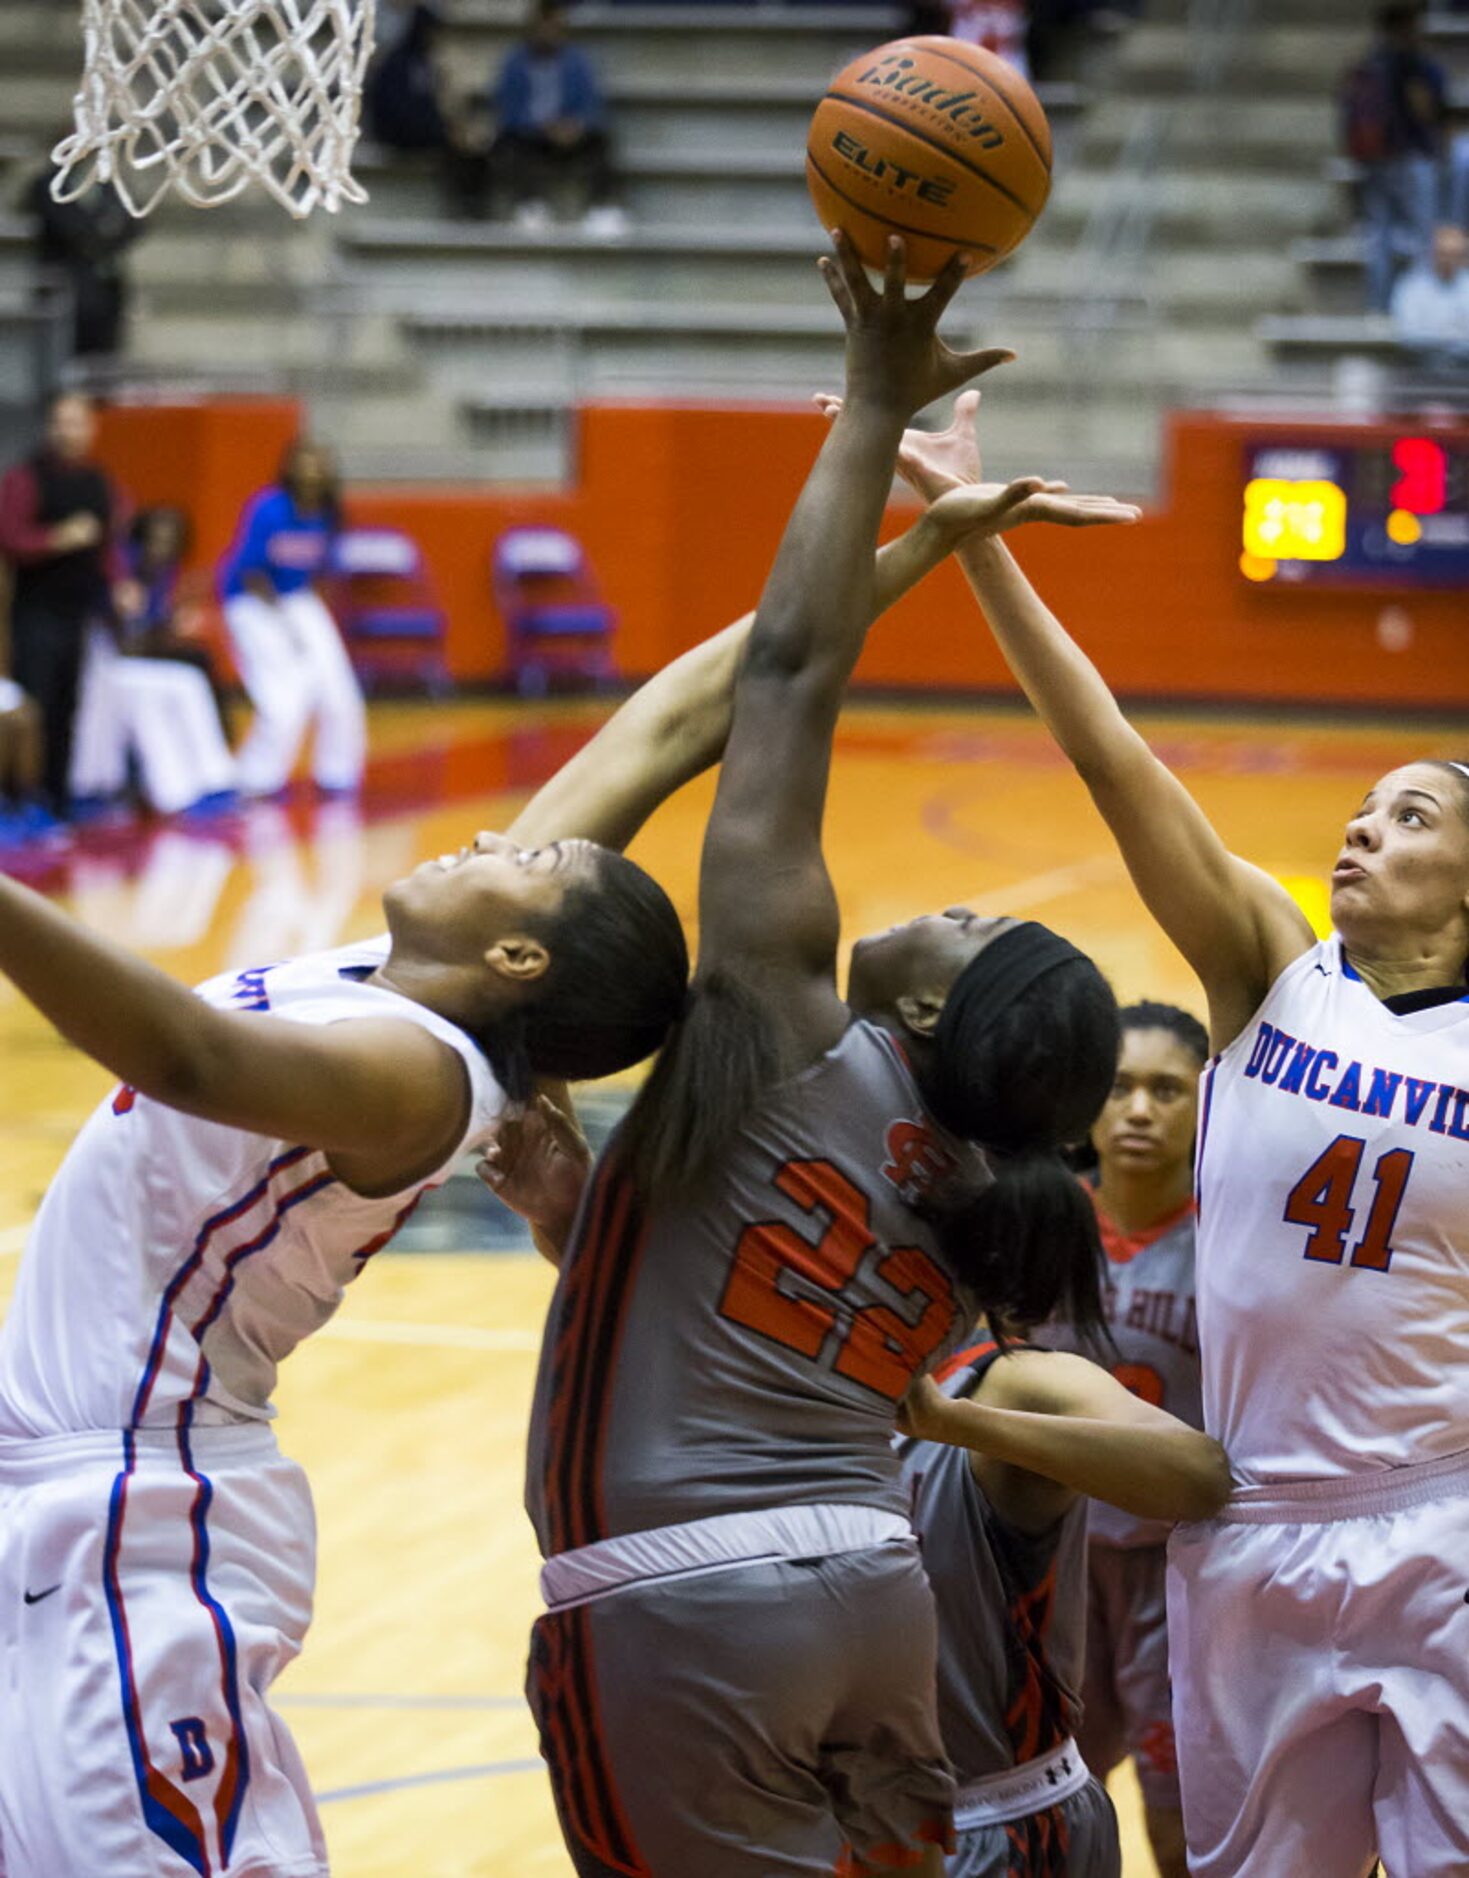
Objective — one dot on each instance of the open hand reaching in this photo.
(895, 357)
(538, 1164)
(944, 467)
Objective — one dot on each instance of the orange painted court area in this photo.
(409, 1410)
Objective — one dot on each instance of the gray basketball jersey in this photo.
(749, 1351)
(1148, 1297)
(1012, 1607)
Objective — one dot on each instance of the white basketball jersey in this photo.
(1333, 1244)
(174, 1262)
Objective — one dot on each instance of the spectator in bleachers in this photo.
(402, 99)
(1430, 303)
(1456, 205)
(61, 523)
(287, 645)
(1000, 26)
(82, 244)
(1393, 104)
(408, 108)
(551, 123)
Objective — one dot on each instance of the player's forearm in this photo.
(686, 709)
(820, 597)
(676, 725)
(1153, 1470)
(135, 1020)
(682, 715)
(1068, 692)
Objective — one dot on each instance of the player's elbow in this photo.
(1205, 1483)
(191, 1071)
(786, 646)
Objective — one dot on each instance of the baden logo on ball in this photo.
(940, 142)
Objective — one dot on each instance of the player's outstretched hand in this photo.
(981, 509)
(944, 468)
(538, 1164)
(895, 358)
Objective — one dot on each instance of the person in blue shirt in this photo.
(551, 122)
(292, 661)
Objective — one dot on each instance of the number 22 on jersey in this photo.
(1322, 1201)
(798, 1291)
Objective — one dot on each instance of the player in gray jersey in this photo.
(735, 1675)
(1003, 1532)
(1144, 1140)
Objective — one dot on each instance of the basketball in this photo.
(940, 142)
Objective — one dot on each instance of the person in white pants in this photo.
(162, 713)
(290, 653)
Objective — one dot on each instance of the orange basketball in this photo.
(940, 142)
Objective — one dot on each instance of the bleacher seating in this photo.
(449, 348)
(1328, 323)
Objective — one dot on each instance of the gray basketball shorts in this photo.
(1077, 1839)
(1126, 1692)
(767, 1721)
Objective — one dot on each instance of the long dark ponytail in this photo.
(1023, 1076)
(720, 1057)
(1027, 1245)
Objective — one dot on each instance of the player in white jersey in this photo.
(270, 1135)
(1320, 1626)
(1144, 1141)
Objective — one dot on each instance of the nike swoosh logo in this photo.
(40, 1597)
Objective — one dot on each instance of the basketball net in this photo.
(205, 97)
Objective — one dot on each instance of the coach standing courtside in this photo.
(60, 520)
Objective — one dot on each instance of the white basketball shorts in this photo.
(152, 1587)
(1320, 1649)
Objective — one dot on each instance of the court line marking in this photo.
(441, 1778)
(12, 1240)
(440, 1336)
(401, 1701)
(1056, 882)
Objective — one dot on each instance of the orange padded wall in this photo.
(681, 508)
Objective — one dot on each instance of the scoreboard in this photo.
(1380, 512)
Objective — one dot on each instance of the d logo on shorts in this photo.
(195, 1753)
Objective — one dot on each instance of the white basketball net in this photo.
(206, 97)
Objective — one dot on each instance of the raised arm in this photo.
(1051, 1425)
(383, 1098)
(766, 903)
(675, 726)
(1236, 926)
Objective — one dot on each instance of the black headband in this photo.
(992, 980)
(998, 975)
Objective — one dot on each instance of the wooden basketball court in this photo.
(409, 1410)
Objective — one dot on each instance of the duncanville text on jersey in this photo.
(1295, 1067)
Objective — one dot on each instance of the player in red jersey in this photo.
(1144, 1196)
